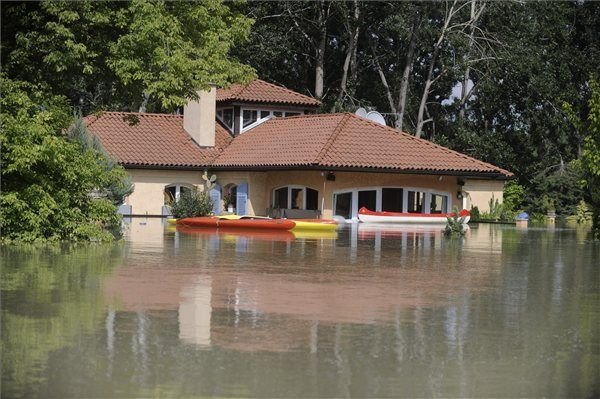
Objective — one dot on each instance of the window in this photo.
(343, 205)
(249, 117)
(368, 199)
(312, 199)
(281, 198)
(225, 115)
(173, 192)
(391, 199)
(296, 197)
(439, 203)
(415, 202)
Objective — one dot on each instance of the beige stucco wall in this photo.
(479, 193)
(147, 198)
(148, 195)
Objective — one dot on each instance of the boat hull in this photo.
(210, 221)
(367, 216)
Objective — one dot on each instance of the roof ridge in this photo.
(295, 93)
(155, 114)
(333, 137)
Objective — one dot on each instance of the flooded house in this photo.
(274, 155)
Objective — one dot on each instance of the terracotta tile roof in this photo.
(259, 91)
(344, 141)
(156, 140)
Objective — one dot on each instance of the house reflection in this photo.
(242, 301)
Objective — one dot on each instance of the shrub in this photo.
(454, 224)
(514, 194)
(192, 203)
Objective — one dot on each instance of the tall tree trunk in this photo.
(407, 69)
(465, 91)
(430, 79)
(320, 50)
(144, 104)
(320, 66)
(350, 60)
(384, 81)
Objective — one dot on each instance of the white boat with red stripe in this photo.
(367, 216)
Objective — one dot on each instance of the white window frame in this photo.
(379, 197)
(262, 120)
(289, 194)
(178, 187)
(221, 110)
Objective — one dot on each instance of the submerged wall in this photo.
(148, 196)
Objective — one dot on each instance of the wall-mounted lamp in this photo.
(461, 182)
(330, 176)
(459, 195)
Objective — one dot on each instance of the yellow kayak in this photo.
(314, 226)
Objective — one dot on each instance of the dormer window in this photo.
(253, 117)
(250, 116)
(225, 115)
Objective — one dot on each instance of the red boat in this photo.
(244, 223)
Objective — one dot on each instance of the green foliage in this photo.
(47, 178)
(496, 210)
(590, 155)
(169, 50)
(514, 194)
(454, 224)
(558, 186)
(119, 183)
(582, 216)
(124, 55)
(192, 203)
(475, 214)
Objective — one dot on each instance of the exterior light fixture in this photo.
(459, 195)
(330, 176)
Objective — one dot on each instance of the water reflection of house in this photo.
(269, 151)
(261, 307)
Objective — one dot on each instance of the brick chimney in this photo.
(199, 117)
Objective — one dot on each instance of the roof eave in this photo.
(164, 167)
(458, 173)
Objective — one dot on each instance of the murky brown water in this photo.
(503, 312)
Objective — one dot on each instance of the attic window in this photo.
(250, 116)
(225, 115)
(253, 117)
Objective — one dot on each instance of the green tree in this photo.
(123, 55)
(170, 49)
(48, 179)
(590, 157)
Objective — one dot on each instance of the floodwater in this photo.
(366, 312)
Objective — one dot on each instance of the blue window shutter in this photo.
(215, 198)
(242, 198)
